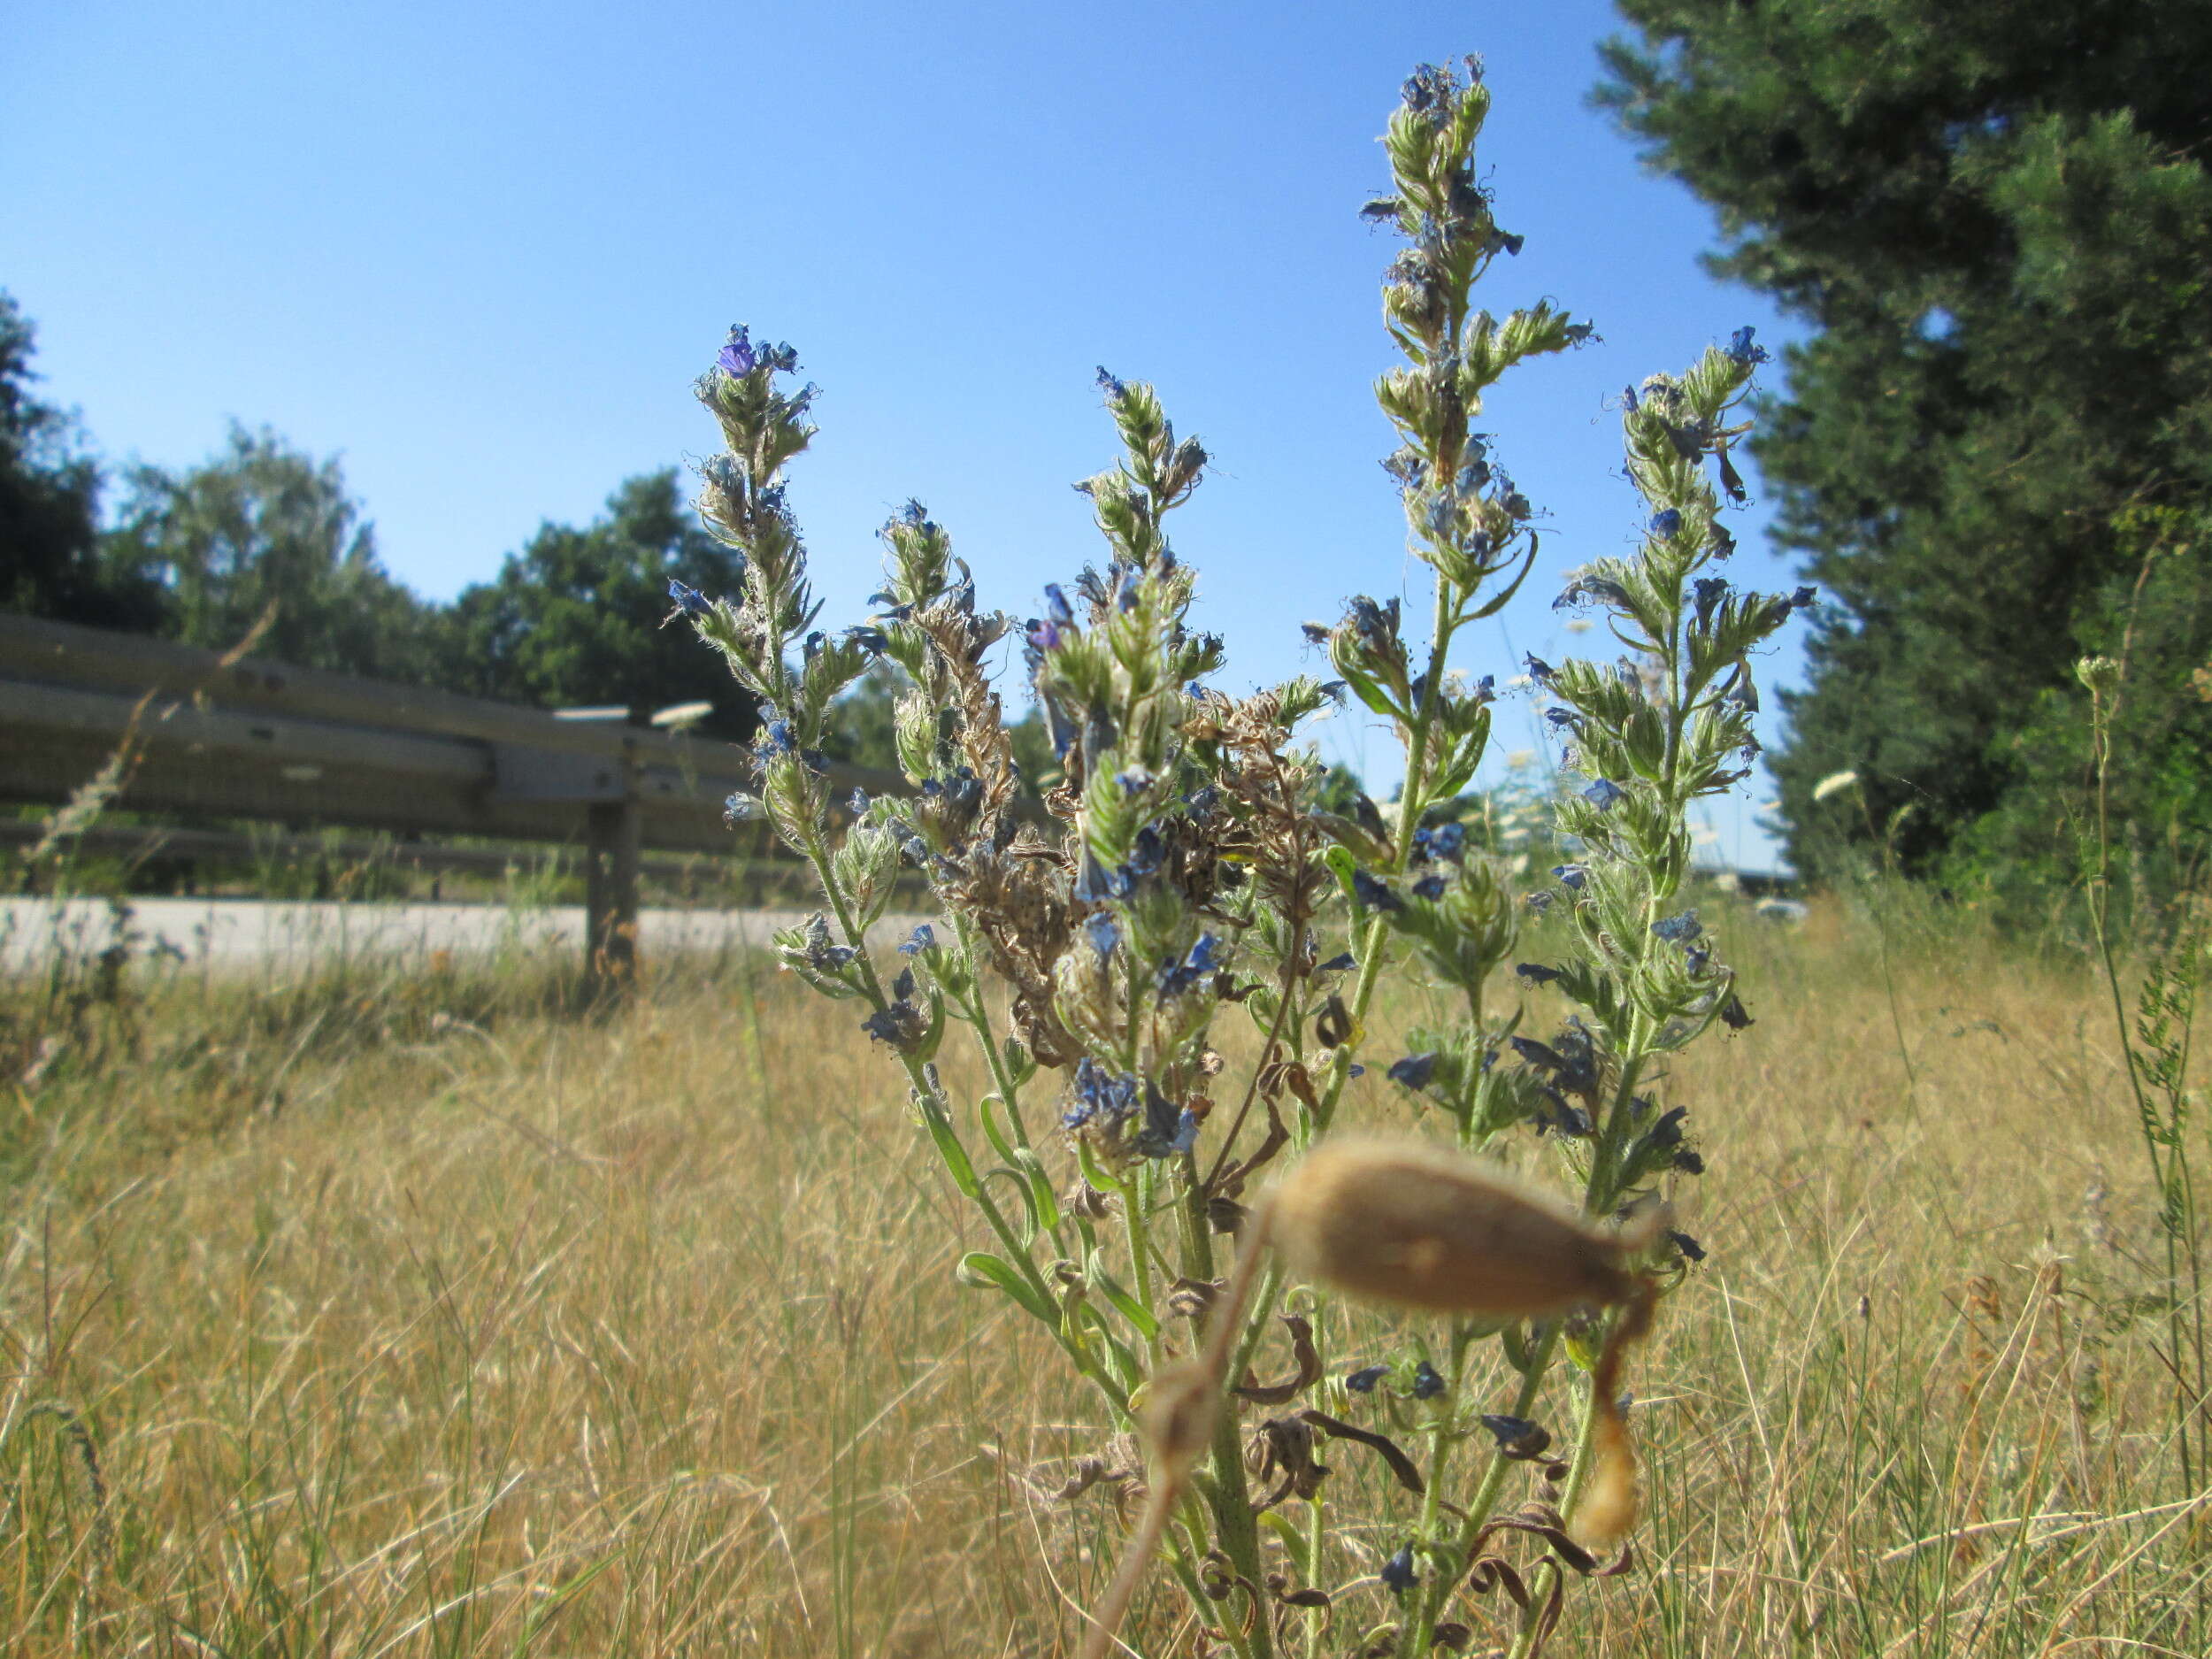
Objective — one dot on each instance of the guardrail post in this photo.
(613, 836)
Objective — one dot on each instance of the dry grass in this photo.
(516, 1333)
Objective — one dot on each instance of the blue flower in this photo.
(1510, 1430)
(1428, 887)
(1376, 626)
(1340, 964)
(1666, 522)
(1710, 590)
(1581, 334)
(1561, 718)
(1136, 780)
(1604, 794)
(1375, 894)
(923, 938)
(1057, 606)
(738, 807)
(1538, 902)
(1105, 931)
(1539, 671)
(1363, 1381)
(1398, 1573)
(1168, 1129)
(1805, 598)
(1733, 1016)
(1446, 841)
(1628, 398)
(1414, 1070)
(1679, 929)
(690, 601)
(1536, 973)
(739, 357)
(874, 641)
(1583, 589)
(1111, 385)
(1099, 1093)
(1571, 875)
(1427, 1382)
(1740, 349)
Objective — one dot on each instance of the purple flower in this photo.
(738, 358)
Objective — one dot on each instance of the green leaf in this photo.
(948, 1148)
(981, 1268)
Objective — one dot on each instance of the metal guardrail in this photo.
(264, 740)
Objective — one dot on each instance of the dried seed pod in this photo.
(1419, 1227)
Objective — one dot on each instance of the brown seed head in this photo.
(1420, 1227)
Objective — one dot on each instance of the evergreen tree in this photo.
(1996, 215)
(575, 617)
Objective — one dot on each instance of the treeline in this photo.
(202, 553)
(1995, 452)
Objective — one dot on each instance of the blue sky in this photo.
(480, 250)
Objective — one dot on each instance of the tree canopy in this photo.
(262, 528)
(50, 491)
(575, 617)
(1993, 453)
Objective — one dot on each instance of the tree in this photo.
(261, 525)
(575, 617)
(1994, 214)
(49, 489)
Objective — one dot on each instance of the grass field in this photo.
(408, 1315)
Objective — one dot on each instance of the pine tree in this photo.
(1994, 453)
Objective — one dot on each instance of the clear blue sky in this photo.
(480, 250)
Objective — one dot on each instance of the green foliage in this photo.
(262, 525)
(575, 617)
(49, 499)
(1997, 219)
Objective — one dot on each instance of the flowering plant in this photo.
(1182, 878)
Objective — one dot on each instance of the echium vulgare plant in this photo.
(1181, 879)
